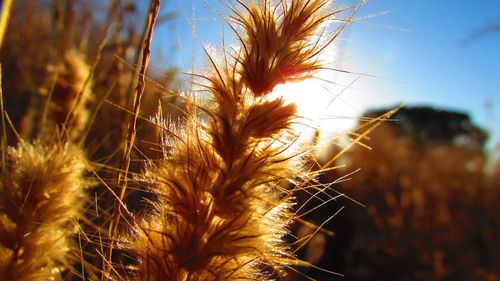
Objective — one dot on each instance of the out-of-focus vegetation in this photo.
(69, 74)
(45, 37)
(54, 47)
(431, 202)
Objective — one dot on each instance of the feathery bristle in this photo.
(211, 223)
(279, 46)
(221, 213)
(42, 191)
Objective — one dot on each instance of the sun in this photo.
(309, 96)
(324, 106)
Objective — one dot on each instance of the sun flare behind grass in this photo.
(326, 108)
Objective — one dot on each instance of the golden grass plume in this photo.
(42, 192)
(221, 212)
(66, 111)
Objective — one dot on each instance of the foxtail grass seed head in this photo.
(42, 192)
(280, 42)
(270, 117)
(221, 212)
(67, 110)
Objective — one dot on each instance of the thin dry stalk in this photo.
(3, 147)
(4, 19)
(371, 126)
(123, 175)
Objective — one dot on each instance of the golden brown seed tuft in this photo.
(67, 112)
(42, 192)
(279, 47)
(221, 213)
(269, 117)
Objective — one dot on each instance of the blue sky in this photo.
(442, 60)
(431, 52)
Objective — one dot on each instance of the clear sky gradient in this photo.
(443, 53)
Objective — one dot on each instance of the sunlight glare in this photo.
(320, 105)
